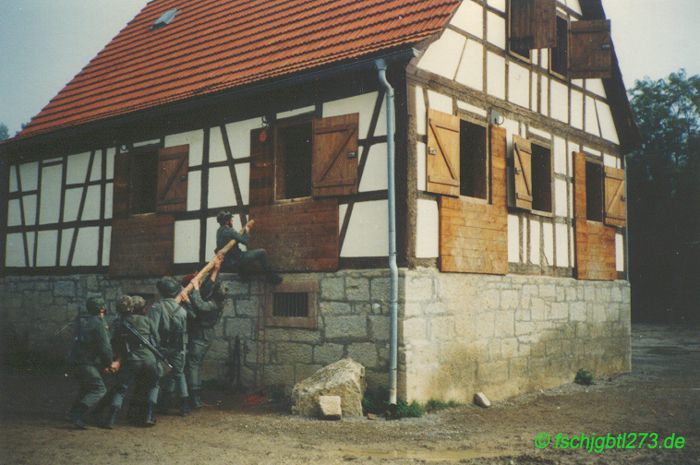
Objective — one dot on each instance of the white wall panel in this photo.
(362, 104)
(51, 194)
(591, 117)
(147, 142)
(14, 213)
(221, 191)
(472, 108)
(427, 229)
(86, 247)
(471, 68)
(194, 190)
(66, 239)
(13, 178)
(296, 112)
(541, 133)
(562, 245)
(500, 5)
(28, 174)
(440, 102)
(367, 234)
(560, 101)
(239, 136)
(619, 252)
(496, 75)
(421, 169)
(109, 189)
(559, 154)
(577, 109)
(72, 204)
(195, 139)
(91, 210)
(544, 96)
(469, 17)
(610, 160)
(607, 124)
(574, 5)
(513, 239)
(46, 248)
(496, 30)
(374, 176)
(186, 241)
(110, 162)
(106, 242)
(217, 151)
(30, 209)
(596, 87)
(535, 237)
(421, 114)
(518, 84)
(535, 95)
(442, 56)
(14, 250)
(560, 198)
(548, 236)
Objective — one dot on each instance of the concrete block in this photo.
(364, 353)
(64, 288)
(379, 328)
(327, 353)
(357, 289)
(548, 291)
(413, 329)
(558, 311)
(345, 327)
(333, 289)
(509, 300)
(294, 352)
(504, 324)
(442, 328)
(336, 308)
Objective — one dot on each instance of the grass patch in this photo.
(376, 401)
(434, 405)
(584, 377)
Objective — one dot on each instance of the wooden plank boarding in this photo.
(443, 153)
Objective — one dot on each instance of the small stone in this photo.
(330, 407)
(481, 400)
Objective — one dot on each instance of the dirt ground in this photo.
(661, 395)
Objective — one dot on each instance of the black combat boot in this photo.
(150, 415)
(185, 407)
(197, 399)
(111, 419)
(76, 416)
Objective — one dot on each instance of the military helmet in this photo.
(224, 217)
(139, 303)
(125, 304)
(94, 305)
(168, 287)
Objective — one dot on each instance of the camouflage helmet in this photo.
(125, 304)
(139, 303)
(94, 305)
(168, 287)
(224, 217)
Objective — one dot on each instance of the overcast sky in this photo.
(46, 42)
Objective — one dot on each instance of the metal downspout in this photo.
(393, 268)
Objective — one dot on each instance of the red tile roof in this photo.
(214, 45)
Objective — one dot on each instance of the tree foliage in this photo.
(664, 198)
(4, 132)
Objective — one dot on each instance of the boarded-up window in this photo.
(522, 172)
(335, 156)
(473, 156)
(541, 178)
(590, 49)
(615, 200)
(443, 164)
(559, 55)
(532, 25)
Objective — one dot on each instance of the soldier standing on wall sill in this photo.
(90, 356)
(236, 259)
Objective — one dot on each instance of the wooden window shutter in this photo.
(615, 201)
(335, 155)
(120, 197)
(580, 186)
(590, 49)
(171, 195)
(262, 170)
(522, 172)
(533, 24)
(443, 153)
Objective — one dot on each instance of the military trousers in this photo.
(175, 381)
(144, 374)
(196, 351)
(91, 385)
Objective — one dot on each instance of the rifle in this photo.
(203, 272)
(159, 355)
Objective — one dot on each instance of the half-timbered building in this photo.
(510, 129)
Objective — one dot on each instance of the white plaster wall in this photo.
(574, 5)
(421, 113)
(496, 30)
(607, 124)
(471, 68)
(296, 112)
(560, 197)
(30, 209)
(96, 173)
(440, 102)
(147, 142)
(544, 96)
(51, 194)
(548, 236)
(221, 193)
(217, 151)
(591, 117)
(560, 101)
(374, 176)
(513, 239)
(86, 247)
(472, 108)
(421, 171)
(186, 246)
(91, 210)
(442, 56)
(239, 136)
(541, 133)
(362, 104)
(109, 189)
(619, 252)
(610, 160)
(110, 162)
(71, 204)
(13, 178)
(367, 234)
(195, 139)
(77, 168)
(14, 250)
(500, 5)
(596, 87)
(427, 229)
(28, 172)
(106, 242)
(66, 238)
(535, 236)
(576, 109)
(518, 85)
(46, 248)
(469, 17)
(559, 154)
(562, 241)
(14, 213)
(496, 75)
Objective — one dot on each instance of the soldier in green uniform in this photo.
(204, 312)
(170, 321)
(236, 259)
(91, 355)
(138, 363)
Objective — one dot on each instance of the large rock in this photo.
(344, 378)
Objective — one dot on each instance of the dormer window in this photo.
(165, 19)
